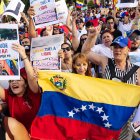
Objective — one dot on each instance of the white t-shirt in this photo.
(135, 57)
(102, 50)
(80, 33)
(125, 27)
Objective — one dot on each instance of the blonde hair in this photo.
(81, 56)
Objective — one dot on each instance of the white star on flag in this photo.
(83, 107)
(105, 117)
(107, 125)
(76, 110)
(100, 109)
(71, 113)
(91, 107)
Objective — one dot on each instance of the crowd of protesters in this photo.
(96, 44)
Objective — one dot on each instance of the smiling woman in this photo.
(24, 95)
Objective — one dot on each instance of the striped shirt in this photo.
(120, 74)
(127, 132)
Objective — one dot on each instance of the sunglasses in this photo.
(25, 42)
(110, 22)
(66, 49)
(133, 38)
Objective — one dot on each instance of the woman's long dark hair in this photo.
(25, 95)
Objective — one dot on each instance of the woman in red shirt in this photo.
(23, 96)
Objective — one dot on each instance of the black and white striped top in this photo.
(119, 73)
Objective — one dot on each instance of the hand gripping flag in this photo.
(79, 107)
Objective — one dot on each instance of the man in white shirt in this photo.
(124, 25)
(80, 28)
(134, 36)
(104, 48)
(134, 54)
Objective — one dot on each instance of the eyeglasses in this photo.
(110, 22)
(66, 49)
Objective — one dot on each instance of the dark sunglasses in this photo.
(133, 38)
(110, 22)
(25, 42)
(66, 49)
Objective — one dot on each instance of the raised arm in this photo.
(2, 93)
(75, 41)
(32, 81)
(31, 29)
(15, 130)
(89, 43)
(91, 39)
(25, 18)
(68, 21)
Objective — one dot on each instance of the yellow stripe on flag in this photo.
(1, 7)
(92, 89)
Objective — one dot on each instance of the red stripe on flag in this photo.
(51, 127)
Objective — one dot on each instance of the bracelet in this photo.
(24, 58)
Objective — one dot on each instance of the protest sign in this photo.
(136, 121)
(14, 8)
(135, 58)
(45, 12)
(44, 52)
(104, 11)
(62, 11)
(9, 59)
(127, 3)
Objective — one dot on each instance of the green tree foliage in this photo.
(90, 3)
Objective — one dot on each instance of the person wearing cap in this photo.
(120, 61)
(125, 24)
(134, 36)
(23, 97)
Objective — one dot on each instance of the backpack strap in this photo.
(130, 73)
(111, 68)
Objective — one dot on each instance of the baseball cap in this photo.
(123, 14)
(129, 33)
(122, 42)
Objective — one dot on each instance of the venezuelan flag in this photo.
(79, 107)
(6, 67)
(1, 7)
(79, 3)
(12, 65)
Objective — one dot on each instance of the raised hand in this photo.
(94, 31)
(20, 49)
